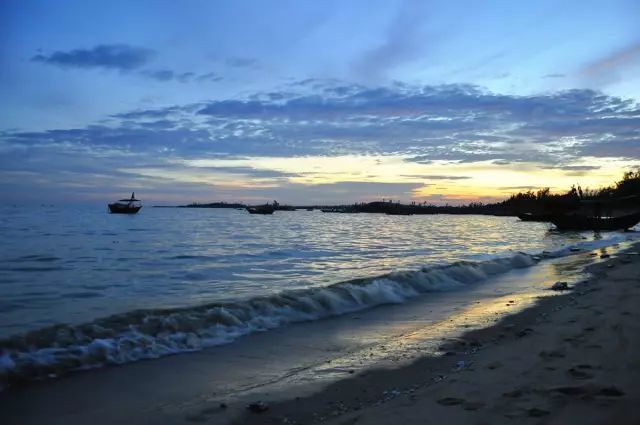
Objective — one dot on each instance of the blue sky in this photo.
(315, 101)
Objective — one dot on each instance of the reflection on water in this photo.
(73, 265)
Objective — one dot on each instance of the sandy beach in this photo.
(570, 359)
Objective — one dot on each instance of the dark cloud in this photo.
(518, 187)
(248, 171)
(574, 170)
(181, 77)
(208, 77)
(147, 113)
(111, 56)
(575, 167)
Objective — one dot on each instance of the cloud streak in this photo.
(399, 46)
(120, 57)
(168, 75)
(609, 68)
(451, 122)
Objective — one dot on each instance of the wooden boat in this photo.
(261, 209)
(126, 206)
(535, 217)
(581, 222)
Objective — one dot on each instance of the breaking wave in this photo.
(147, 334)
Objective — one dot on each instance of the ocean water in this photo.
(82, 288)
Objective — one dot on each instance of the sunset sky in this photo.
(315, 101)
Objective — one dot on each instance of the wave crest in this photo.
(146, 334)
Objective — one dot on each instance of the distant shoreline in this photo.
(378, 207)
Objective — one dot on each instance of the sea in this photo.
(81, 288)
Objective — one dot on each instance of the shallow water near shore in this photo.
(292, 361)
(176, 280)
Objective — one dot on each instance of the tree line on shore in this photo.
(623, 194)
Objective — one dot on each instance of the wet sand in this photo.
(567, 354)
(570, 359)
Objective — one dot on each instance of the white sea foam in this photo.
(146, 334)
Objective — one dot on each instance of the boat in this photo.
(399, 212)
(535, 217)
(261, 209)
(581, 222)
(126, 206)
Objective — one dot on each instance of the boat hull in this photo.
(535, 217)
(264, 210)
(123, 209)
(576, 222)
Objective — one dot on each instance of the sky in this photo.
(315, 102)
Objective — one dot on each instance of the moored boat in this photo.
(535, 217)
(581, 222)
(261, 209)
(126, 206)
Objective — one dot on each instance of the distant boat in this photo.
(398, 212)
(581, 222)
(126, 206)
(261, 209)
(535, 217)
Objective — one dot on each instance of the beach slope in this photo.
(570, 359)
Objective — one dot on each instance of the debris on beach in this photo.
(611, 392)
(560, 286)
(537, 413)
(258, 407)
(450, 401)
(524, 332)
